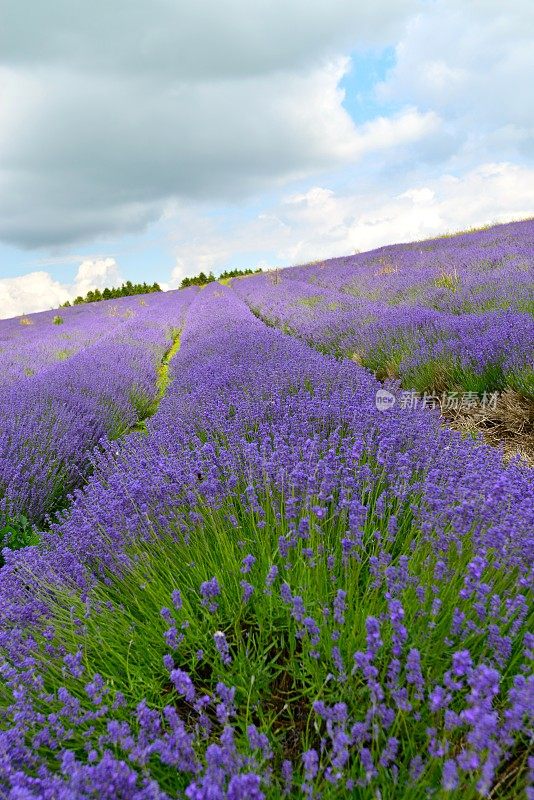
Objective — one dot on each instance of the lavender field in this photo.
(228, 572)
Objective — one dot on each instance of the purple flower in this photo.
(167, 615)
(168, 662)
(339, 606)
(96, 689)
(367, 764)
(247, 563)
(287, 776)
(222, 647)
(257, 419)
(74, 663)
(312, 629)
(449, 779)
(285, 593)
(245, 787)
(390, 752)
(183, 684)
(176, 599)
(248, 590)
(271, 575)
(310, 760)
(172, 638)
(416, 769)
(209, 590)
(439, 698)
(413, 672)
(374, 642)
(461, 663)
(259, 741)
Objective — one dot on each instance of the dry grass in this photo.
(114, 311)
(510, 425)
(387, 267)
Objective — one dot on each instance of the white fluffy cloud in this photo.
(325, 224)
(320, 223)
(109, 159)
(38, 291)
(96, 274)
(472, 63)
(394, 132)
(35, 291)
(462, 72)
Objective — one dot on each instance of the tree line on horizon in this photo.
(202, 279)
(125, 290)
(128, 288)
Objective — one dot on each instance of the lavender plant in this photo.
(50, 423)
(485, 270)
(278, 591)
(429, 350)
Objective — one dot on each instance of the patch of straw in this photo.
(510, 425)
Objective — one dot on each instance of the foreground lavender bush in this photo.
(50, 423)
(279, 591)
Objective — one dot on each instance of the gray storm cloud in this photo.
(192, 39)
(111, 110)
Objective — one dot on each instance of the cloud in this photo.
(97, 274)
(341, 224)
(35, 291)
(111, 111)
(403, 128)
(472, 64)
(421, 196)
(206, 39)
(116, 115)
(38, 291)
(304, 226)
(111, 161)
(320, 222)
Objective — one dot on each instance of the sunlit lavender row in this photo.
(50, 422)
(279, 591)
(400, 313)
(32, 343)
(487, 270)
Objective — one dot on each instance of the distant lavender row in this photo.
(50, 423)
(429, 350)
(491, 269)
(379, 560)
(32, 343)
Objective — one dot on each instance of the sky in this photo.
(149, 140)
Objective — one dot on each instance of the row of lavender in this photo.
(279, 591)
(32, 343)
(487, 270)
(428, 349)
(49, 423)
